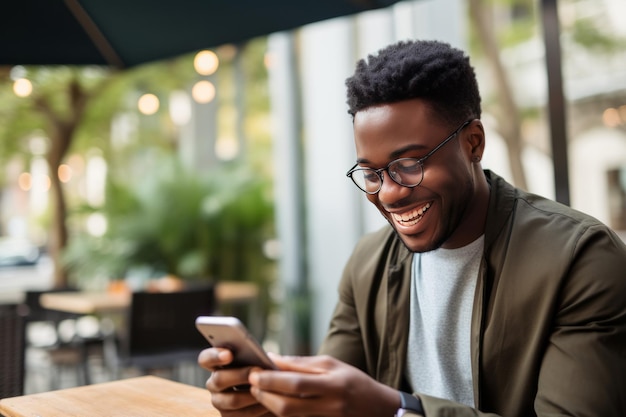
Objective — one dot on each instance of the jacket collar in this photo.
(501, 205)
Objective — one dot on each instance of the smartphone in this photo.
(230, 333)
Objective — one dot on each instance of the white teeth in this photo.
(413, 217)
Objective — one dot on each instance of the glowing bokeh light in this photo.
(180, 108)
(203, 91)
(226, 148)
(206, 62)
(269, 60)
(65, 173)
(97, 224)
(611, 118)
(22, 87)
(148, 104)
(25, 181)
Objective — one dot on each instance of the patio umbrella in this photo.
(124, 33)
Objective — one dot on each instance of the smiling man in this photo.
(478, 299)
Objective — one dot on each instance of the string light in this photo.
(203, 91)
(148, 104)
(22, 87)
(65, 173)
(206, 62)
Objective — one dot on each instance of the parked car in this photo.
(23, 266)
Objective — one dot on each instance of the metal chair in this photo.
(160, 330)
(12, 347)
(65, 349)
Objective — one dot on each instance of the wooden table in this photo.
(114, 304)
(147, 396)
(228, 292)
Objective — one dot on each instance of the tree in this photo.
(582, 32)
(73, 107)
(507, 113)
(57, 106)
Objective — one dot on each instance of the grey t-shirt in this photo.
(443, 283)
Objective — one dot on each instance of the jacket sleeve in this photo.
(353, 336)
(344, 338)
(584, 366)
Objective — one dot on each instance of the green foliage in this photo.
(17, 122)
(22, 114)
(587, 34)
(518, 31)
(110, 93)
(258, 92)
(174, 221)
(166, 218)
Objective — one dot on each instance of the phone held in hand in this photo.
(230, 333)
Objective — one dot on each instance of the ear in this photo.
(475, 140)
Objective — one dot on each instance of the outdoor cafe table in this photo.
(86, 302)
(112, 305)
(146, 396)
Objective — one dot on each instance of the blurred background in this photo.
(227, 162)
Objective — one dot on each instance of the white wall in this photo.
(591, 156)
(332, 217)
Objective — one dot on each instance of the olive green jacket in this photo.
(549, 319)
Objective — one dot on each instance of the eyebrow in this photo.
(397, 153)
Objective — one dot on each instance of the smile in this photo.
(412, 217)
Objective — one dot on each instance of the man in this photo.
(480, 299)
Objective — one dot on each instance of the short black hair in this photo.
(429, 70)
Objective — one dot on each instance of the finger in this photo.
(297, 406)
(256, 410)
(237, 400)
(295, 384)
(227, 379)
(214, 358)
(308, 364)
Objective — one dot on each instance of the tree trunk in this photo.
(58, 233)
(61, 135)
(508, 116)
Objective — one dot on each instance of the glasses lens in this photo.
(406, 171)
(366, 179)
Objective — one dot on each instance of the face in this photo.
(448, 208)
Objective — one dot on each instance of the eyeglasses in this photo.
(408, 172)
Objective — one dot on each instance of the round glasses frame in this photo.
(407, 172)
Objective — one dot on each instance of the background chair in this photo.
(160, 332)
(62, 338)
(11, 350)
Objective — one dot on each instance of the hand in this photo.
(223, 384)
(321, 386)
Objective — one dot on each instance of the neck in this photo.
(473, 224)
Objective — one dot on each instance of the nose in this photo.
(391, 191)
